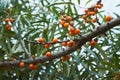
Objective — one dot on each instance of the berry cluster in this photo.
(66, 21)
(8, 26)
(91, 12)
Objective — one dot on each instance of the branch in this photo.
(81, 41)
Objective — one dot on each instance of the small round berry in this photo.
(55, 40)
(62, 23)
(72, 29)
(77, 31)
(69, 18)
(22, 64)
(94, 20)
(8, 27)
(31, 66)
(40, 40)
(48, 54)
(47, 45)
(66, 25)
(108, 18)
(64, 43)
(92, 43)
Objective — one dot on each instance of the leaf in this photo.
(116, 14)
(78, 1)
(118, 5)
(88, 2)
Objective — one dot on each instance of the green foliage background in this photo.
(34, 20)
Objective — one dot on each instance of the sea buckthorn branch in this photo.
(79, 42)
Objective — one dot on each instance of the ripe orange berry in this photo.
(35, 66)
(94, 20)
(69, 18)
(40, 40)
(70, 43)
(84, 17)
(31, 66)
(86, 11)
(55, 40)
(92, 13)
(47, 45)
(108, 18)
(11, 20)
(7, 20)
(71, 33)
(64, 43)
(66, 25)
(48, 54)
(8, 27)
(87, 21)
(72, 29)
(77, 31)
(63, 58)
(22, 64)
(33, 56)
(62, 23)
(88, 14)
(92, 43)
(67, 57)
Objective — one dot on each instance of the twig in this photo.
(81, 41)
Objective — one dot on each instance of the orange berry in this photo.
(92, 13)
(62, 23)
(11, 20)
(92, 43)
(87, 21)
(33, 56)
(22, 64)
(35, 67)
(98, 6)
(67, 57)
(94, 20)
(108, 18)
(40, 40)
(88, 14)
(31, 66)
(86, 11)
(66, 25)
(71, 33)
(70, 43)
(69, 18)
(8, 27)
(77, 31)
(47, 45)
(84, 17)
(64, 43)
(7, 20)
(48, 54)
(63, 58)
(72, 29)
(55, 40)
